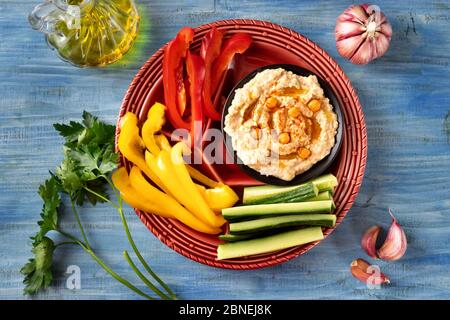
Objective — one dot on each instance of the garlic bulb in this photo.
(363, 33)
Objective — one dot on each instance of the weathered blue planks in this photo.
(405, 96)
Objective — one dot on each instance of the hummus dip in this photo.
(281, 124)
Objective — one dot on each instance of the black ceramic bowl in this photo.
(317, 169)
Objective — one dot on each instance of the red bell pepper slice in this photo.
(188, 97)
(238, 43)
(206, 40)
(174, 92)
(196, 72)
(181, 90)
(210, 50)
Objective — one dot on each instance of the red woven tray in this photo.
(273, 44)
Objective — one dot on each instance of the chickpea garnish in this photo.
(314, 105)
(284, 138)
(294, 112)
(304, 153)
(271, 102)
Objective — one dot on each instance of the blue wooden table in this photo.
(406, 100)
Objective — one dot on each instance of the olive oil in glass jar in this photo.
(88, 32)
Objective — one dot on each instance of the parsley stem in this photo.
(113, 187)
(119, 208)
(115, 275)
(102, 264)
(141, 259)
(65, 243)
(133, 244)
(101, 197)
(77, 217)
(71, 237)
(143, 278)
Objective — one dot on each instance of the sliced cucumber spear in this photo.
(325, 183)
(276, 194)
(228, 237)
(264, 210)
(325, 195)
(257, 225)
(268, 244)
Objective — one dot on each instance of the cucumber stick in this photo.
(264, 210)
(268, 244)
(276, 194)
(325, 195)
(325, 183)
(257, 225)
(228, 237)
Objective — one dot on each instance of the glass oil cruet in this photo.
(87, 32)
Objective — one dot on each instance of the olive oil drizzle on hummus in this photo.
(312, 127)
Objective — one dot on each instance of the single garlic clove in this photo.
(394, 247)
(369, 240)
(366, 273)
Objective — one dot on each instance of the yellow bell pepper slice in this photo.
(165, 172)
(202, 190)
(188, 185)
(200, 177)
(132, 146)
(221, 197)
(163, 166)
(163, 142)
(153, 124)
(169, 204)
(133, 197)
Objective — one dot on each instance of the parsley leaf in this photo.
(88, 157)
(49, 192)
(93, 161)
(68, 176)
(90, 130)
(38, 270)
(101, 132)
(70, 132)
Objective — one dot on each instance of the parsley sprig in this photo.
(83, 175)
